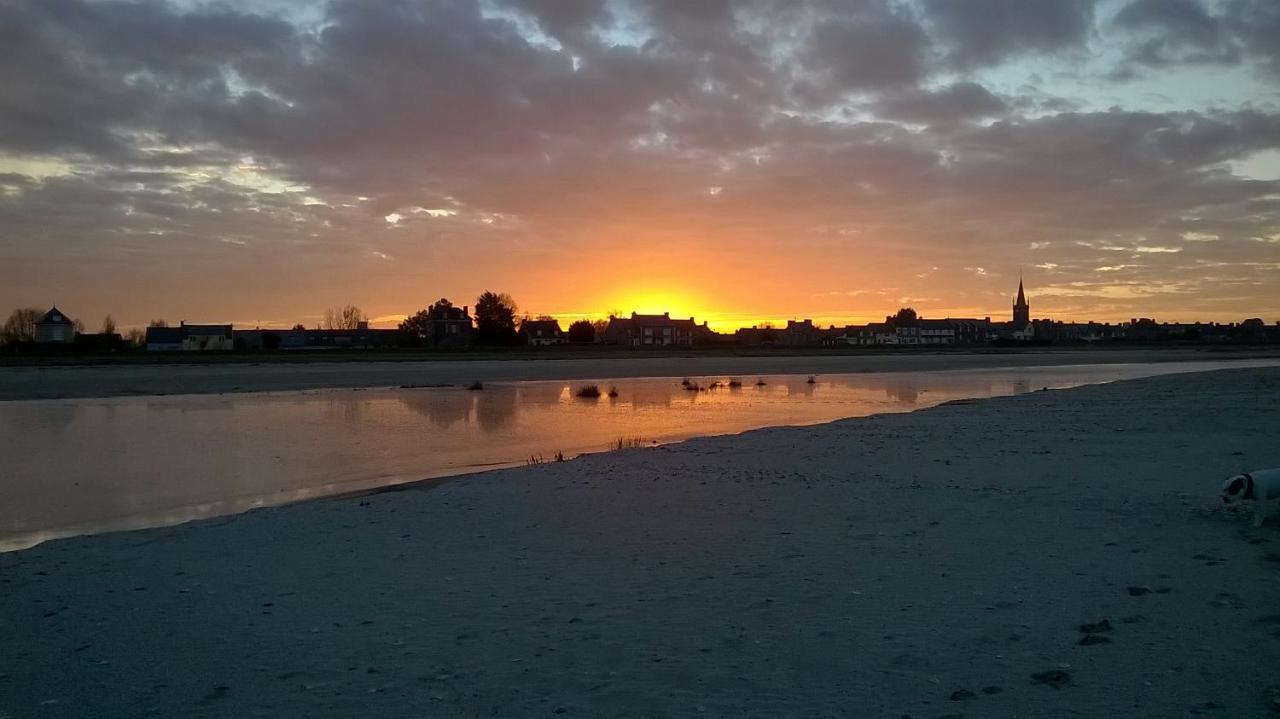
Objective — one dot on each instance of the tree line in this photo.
(495, 321)
(495, 316)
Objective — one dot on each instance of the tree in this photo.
(158, 323)
(108, 325)
(600, 326)
(416, 328)
(496, 319)
(299, 327)
(905, 316)
(21, 326)
(347, 317)
(582, 332)
(136, 337)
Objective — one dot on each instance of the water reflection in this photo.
(904, 389)
(77, 466)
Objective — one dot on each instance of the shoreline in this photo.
(126, 380)
(839, 569)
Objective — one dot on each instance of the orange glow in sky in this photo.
(737, 163)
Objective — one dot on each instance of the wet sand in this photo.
(58, 382)
(943, 562)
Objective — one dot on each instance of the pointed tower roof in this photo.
(54, 316)
(1022, 297)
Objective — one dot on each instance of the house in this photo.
(269, 339)
(969, 330)
(910, 330)
(799, 334)
(200, 338)
(650, 331)
(874, 333)
(703, 334)
(54, 327)
(755, 335)
(543, 332)
(190, 338)
(362, 337)
(164, 339)
(1058, 331)
(936, 332)
(835, 336)
(449, 326)
(99, 342)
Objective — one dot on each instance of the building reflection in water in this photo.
(442, 409)
(79, 466)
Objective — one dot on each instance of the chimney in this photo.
(464, 310)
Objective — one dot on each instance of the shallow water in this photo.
(84, 466)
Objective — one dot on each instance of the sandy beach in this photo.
(60, 382)
(938, 563)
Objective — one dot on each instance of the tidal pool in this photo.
(83, 466)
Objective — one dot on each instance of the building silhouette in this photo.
(1021, 310)
(54, 327)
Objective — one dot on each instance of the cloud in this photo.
(1174, 32)
(953, 103)
(980, 33)
(886, 137)
(876, 49)
(1170, 33)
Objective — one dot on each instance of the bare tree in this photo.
(108, 325)
(158, 323)
(136, 337)
(21, 325)
(348, 317)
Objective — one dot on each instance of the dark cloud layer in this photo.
(986, 32)
(145, 137)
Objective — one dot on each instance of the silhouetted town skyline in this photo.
(444, 325)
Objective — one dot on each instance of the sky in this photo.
(762, 160)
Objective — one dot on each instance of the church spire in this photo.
(1021, 309)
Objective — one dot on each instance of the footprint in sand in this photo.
(1055, 678)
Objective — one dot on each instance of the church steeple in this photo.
(1021, 310)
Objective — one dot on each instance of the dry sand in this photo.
(925, 565)
(57, 382)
